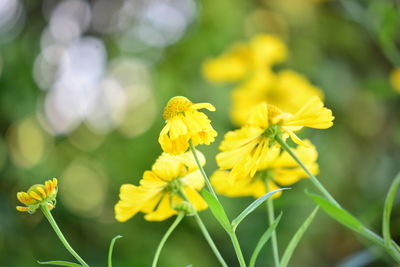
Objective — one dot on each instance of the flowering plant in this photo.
(260, 159)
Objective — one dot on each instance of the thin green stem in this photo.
(271, 218)
(165, 237)
(237, 248)
(209, 240)
(232, 235)
(209, 186)
(110, 250)
(60, 235)
(205, 232)
(313, 179)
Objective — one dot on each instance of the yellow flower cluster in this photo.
(37, 195)
(171, 181)
(251, 64)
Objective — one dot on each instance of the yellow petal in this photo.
(194, 197)
(35, 195)
(239, 138)
(167, 167)
(163, 211)
(259, 116)
(132, 200)
(189, 161)
(22, 209)
(194, 179)
(207, 106)
(313, 114)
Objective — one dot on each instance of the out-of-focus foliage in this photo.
(82, 86)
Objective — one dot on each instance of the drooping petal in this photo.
(313, 114)
(195, 198)
(207, 106)
(163, 211)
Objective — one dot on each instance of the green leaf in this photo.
(60, 263)
(263, 240)
(296, 239)
(217, 210)
(250, 208)
(388, 210)
(110, 250)
(338, 213)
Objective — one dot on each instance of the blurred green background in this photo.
(82, 87)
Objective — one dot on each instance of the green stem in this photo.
(271, 218)
(60, 235)
(110, 250)
(165, 237)
(209, 186)
(237, 248)
(232, 235)
(313, 179)
(366, 232)
(209, 240)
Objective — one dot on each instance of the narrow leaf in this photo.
(338, 213)
(263, 240)
(388, 210)
(217, 210)
(296, 239)
(60, 263)
(110, 250)
(253, 206)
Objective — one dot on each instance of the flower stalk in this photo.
(313, 179)
(44, 208)
(232, 234)
(165, 237)
(209, 186)
(271, 219)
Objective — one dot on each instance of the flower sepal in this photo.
(185, 208)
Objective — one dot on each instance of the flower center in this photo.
(176, 105)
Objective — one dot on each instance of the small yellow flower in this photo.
(246, 149)
(185, 123)
(37, 195)
(282, 170)
(395, 79)
(160, 193)
(240, 60)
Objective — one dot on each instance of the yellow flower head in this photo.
(161, 192)
(38, 195)
(185, 123)
(243, 151)
(237, 62)
(282, 169)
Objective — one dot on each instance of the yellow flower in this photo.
(286, 90)
(185, 123)
(395, 79)
(246, 149)
(38, 195)
(282, 170)
(159, 194)
(243, 58)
